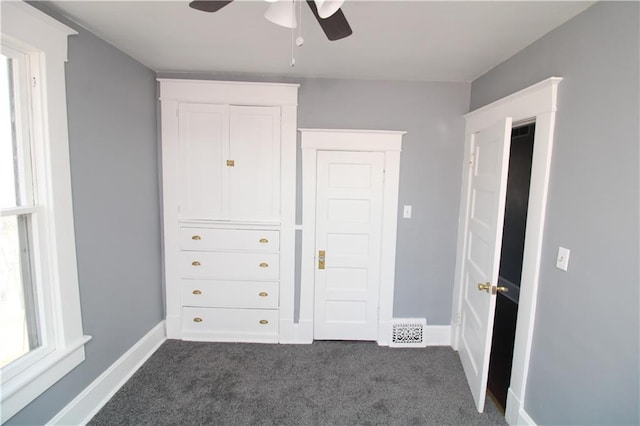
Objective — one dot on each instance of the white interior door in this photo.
(348, 231)
(485, 216)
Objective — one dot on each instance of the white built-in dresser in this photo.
(228, 172)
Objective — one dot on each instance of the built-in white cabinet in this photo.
(228, 159)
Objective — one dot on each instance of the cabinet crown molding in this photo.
(228, 92)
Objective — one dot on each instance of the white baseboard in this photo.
(292, 333)
(437, 335)
(95, 396)
(174, 327)
(515, 414)
(525, 419)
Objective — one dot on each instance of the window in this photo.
(40, 321)
(20, 330)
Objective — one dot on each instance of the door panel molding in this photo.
(537, 102)
(388, 142)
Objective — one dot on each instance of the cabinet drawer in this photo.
(229, 239)
(231, 325)
(230, 294)
(230, 266)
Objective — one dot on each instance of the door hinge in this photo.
(472, 158)
(35, 82)
(459, 320)
(231, 163)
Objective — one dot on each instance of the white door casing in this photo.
(314, 141)
(488, 187)
(537, 102)
(348, 230)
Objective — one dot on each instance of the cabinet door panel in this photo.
(254, 191)
(204, 150)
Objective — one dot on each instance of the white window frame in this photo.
(43, 40)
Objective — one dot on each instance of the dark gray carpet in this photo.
(326, 383)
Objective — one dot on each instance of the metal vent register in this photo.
(408, 333)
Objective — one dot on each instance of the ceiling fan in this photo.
(327, 13)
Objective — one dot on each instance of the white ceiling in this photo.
(392, 40)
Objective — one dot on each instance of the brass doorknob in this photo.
(501, 289)
(486, 287)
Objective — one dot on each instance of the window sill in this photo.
(28, 385)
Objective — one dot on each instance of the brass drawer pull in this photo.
(263, 322)
(197, 292)
(195, 263)
(196, 237)
(264, 240)
(264, 265)
(263, 294)
(196, 319)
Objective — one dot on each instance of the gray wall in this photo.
(430, 174)
(585, 356)
(113, 144)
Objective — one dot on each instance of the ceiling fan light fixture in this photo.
(281, 13)
(327, 8)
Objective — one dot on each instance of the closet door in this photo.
(204, 151)
(349, 204)
(254, 179)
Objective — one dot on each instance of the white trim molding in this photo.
(87, 404)
(228, 92)
(535, 103)
(388, 142)
(437, 335)
(518, 415)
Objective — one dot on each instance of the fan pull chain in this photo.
(293, 32)
(299, 40)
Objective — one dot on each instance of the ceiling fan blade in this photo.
(209, 5)
(335, 26)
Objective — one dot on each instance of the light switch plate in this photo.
(563, 258)
(406, 213)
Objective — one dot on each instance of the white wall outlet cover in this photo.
(562, 262)
(406, 212)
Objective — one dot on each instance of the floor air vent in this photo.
(408, 333)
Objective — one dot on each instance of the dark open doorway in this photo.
(515, 219)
